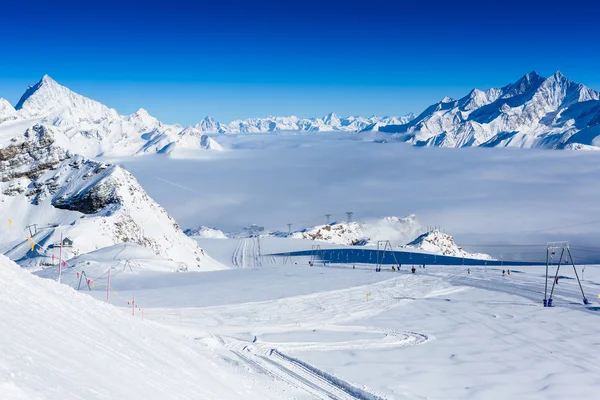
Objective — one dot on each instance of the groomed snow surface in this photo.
(59, 344)
(290, 331)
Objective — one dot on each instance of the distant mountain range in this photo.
(331, 122)
(90, 128)
(550, 113)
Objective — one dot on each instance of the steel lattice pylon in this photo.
(383, 246)
(563, 246)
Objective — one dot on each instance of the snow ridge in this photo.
(92, 129)
(551, 113)
(330, 122)
(441, 243)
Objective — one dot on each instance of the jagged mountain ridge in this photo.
(93, 203)
(92, 129)
(330, 122)
(551, 113)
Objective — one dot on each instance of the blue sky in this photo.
(237, 59)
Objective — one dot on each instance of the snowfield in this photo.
(60, 344)
(228, 310)
(443, 332)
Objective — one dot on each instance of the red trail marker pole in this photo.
(60, 259)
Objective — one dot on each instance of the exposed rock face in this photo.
(31, 155)
(92, 200)
(94, 203)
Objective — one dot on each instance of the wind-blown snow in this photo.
(441, 243)
(398, 231)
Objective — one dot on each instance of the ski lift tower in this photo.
(314, 254)
(551, 248)
(382, 247)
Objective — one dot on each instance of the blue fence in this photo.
(370, 256)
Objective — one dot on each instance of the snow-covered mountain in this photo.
(206, 232)
(48, 191)
(398, 231)
(552, 113)
(375, 125)
(441, 243)
(7, 112)
(188, 140)
(330, 122)
(90, 128)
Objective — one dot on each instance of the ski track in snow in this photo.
(265, 359)
(245, 254)
(325, 311)
(568, 296)
(269, 358)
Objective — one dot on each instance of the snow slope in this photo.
(550, 113)
(93, 203)
(59, 344)
(441, 243)
(438, 333)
